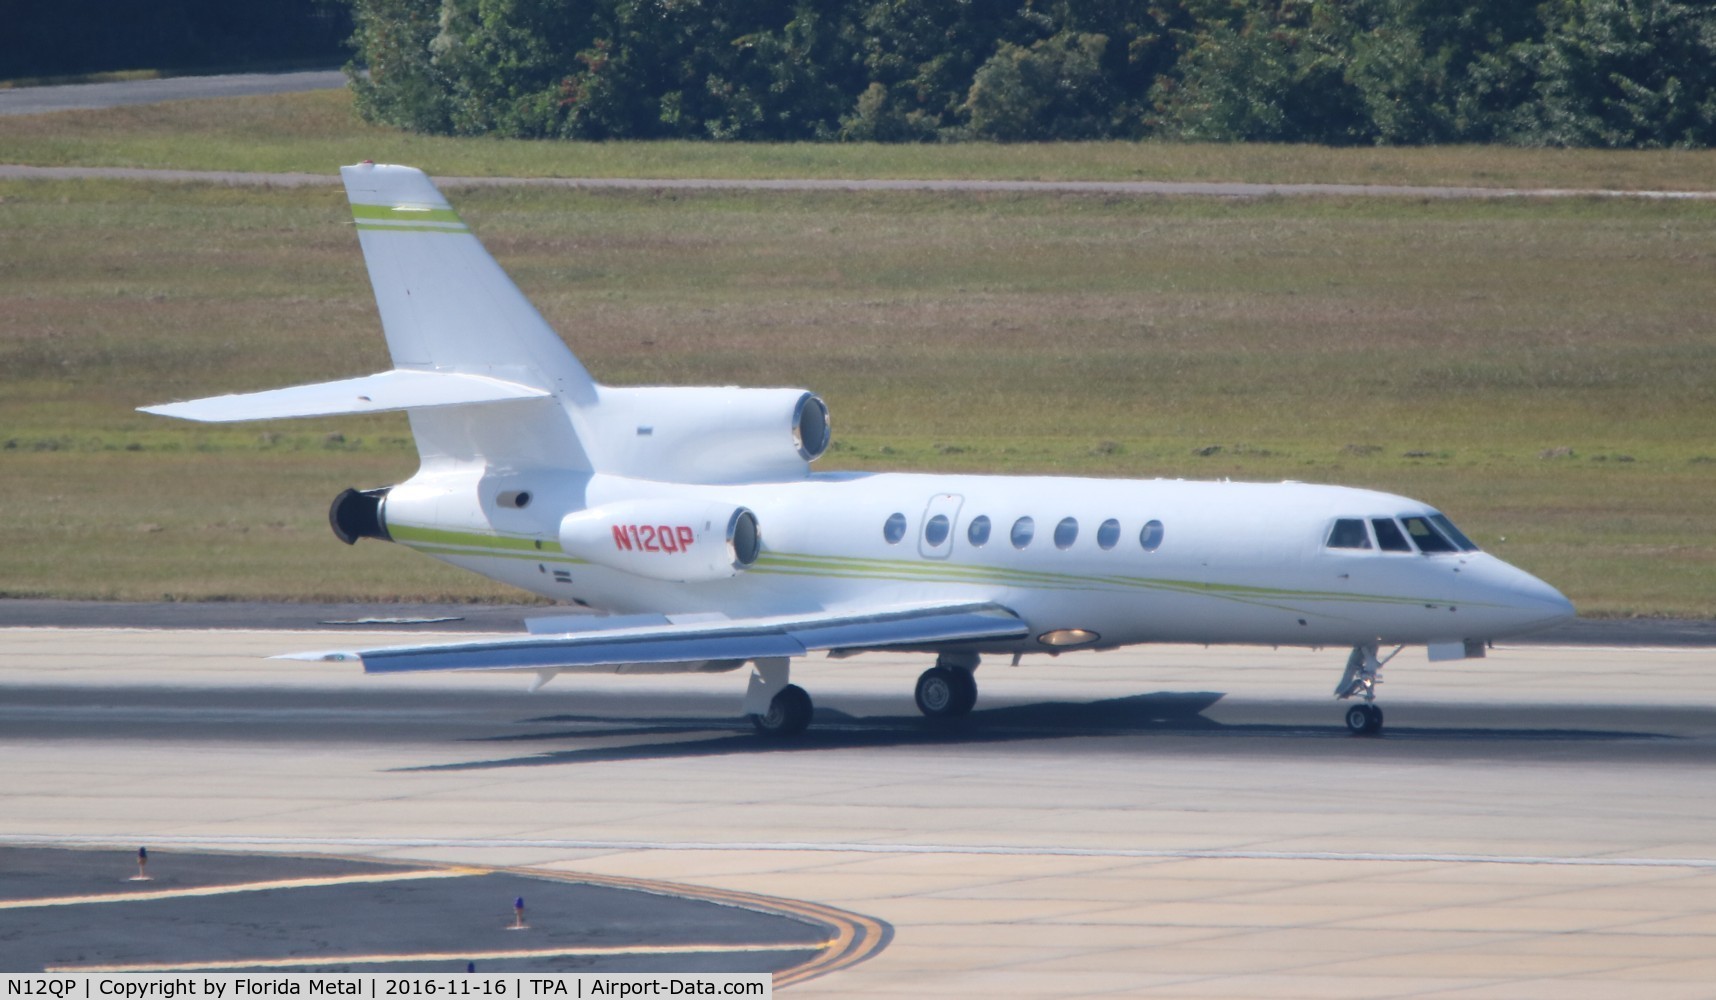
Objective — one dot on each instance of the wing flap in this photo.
(696, 641)
(880, 631)
(400, 389)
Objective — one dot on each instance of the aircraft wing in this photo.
(696, 639)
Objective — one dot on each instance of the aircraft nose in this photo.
(1530, 604)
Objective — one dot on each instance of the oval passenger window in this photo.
(894, 529)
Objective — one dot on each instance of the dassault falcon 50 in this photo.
(690, 518)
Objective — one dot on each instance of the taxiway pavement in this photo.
(1168, 821)
(88, 96)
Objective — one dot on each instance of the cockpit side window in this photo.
(1430, 541)
(1349, 533)
(1454, 534)
(1388, 535)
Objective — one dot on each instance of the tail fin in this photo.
(445, 304)
(482, 376)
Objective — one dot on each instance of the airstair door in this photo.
(940, 520)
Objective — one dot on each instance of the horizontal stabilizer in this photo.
(401, 389)
(698, 641)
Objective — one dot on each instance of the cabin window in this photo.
(1454, 534)
(1108, 534)
(1388, 535)
(1023, 530)
(1066, 533)
(936, 530)
(977, 533)
(1151, 537)
(894, 529)
(1349, 533)
(1428, 539)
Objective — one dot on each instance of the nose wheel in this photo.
(1360, 681)
(1364, 720)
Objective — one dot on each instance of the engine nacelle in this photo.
(357, 514)
(710, 435)
(675, 540)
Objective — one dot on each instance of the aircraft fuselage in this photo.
(1127, 561)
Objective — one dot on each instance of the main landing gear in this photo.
(948, 689)
(775, 707)
(1360, 680)
(778, 708)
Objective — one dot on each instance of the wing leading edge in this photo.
(400, 389)
(697, 640)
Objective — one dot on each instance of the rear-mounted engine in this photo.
(683, 542)
(358, 514)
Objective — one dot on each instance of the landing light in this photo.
(1063, 637)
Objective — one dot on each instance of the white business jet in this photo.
(690, 517)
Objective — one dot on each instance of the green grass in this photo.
(317, 132)
(1433, 349)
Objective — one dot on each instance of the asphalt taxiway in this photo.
(90, 910)
(88, 96)
(1167, 821)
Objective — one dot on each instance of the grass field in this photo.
(1435, 349)
(315, 132)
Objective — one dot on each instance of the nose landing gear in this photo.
(1364, 720)
(1360, 680)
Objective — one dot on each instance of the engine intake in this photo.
(691, 434)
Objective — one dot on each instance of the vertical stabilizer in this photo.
(444, 302)
(447, 306)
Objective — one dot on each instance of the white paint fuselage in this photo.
(1236, 562)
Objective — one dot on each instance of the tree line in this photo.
(45, 39)
(1615, 73)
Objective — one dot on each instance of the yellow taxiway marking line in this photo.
(856, 937)
(448, 956)
(221, 890)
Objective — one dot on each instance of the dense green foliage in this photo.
(1622, 73)
(97, 36)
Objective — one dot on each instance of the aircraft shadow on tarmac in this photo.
(1179, 714)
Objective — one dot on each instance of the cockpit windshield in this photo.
(1425, 536)
(1454, 534)
(1431, 534)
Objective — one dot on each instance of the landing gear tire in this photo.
(1364, 720)
(946, 692)
(788, 715)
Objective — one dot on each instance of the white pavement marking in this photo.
(1202, 189)
(571, 951)
(228, 889)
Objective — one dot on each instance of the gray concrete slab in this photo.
(1166, 821)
